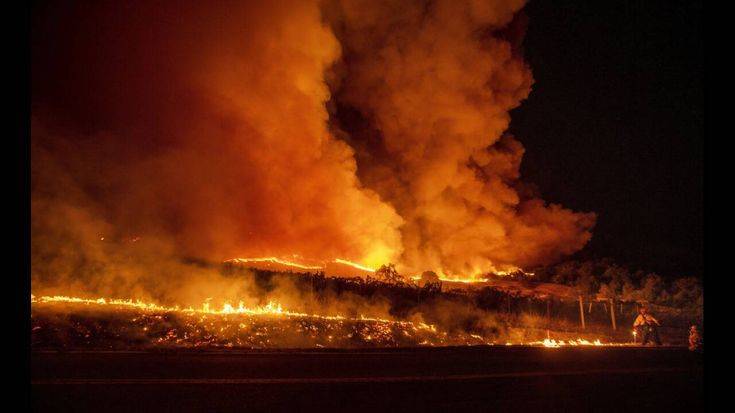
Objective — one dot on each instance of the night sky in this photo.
(615, 125)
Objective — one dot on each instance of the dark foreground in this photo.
(467, 379)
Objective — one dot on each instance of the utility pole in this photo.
(612, 313)
(581, 311)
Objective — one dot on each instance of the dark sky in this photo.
(615, 125)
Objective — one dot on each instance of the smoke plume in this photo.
(195, 129)
(432, 83)
(202, 125)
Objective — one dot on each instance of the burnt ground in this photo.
(465, 379)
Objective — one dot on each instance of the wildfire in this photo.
(275, 260)
(476, 275)
(269, 325)
(578, 342)
(125, 323)
(300, 266)
(272, 308)
(354, 264)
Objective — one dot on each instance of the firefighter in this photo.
(694, 340)
(647, 327)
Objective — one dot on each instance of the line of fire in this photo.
(388, 205)
(523, 310)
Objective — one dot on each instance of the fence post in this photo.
(612, 313)
(581, 311)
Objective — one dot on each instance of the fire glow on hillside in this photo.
(347, 268)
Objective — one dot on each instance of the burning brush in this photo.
(102, 323)
(72, 322)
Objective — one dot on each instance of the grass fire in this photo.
(382, 308)
(338, 192)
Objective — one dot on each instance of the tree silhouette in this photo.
(387, 273)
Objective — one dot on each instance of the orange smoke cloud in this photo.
(210, 129)
(205, 128)
(435, 81)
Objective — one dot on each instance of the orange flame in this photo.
(273, 308)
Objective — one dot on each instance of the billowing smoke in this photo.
(193, 129)
(201, 125)
(432, 83)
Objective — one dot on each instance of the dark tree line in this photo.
(610, 280)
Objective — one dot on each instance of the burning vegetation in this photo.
(77, 323)
(322, 138)
(371, 132)
(311, 310)
(123, 324)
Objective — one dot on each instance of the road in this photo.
(468, 378)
